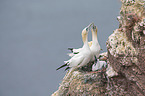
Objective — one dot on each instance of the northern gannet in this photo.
(95, 48)
(83, 57)
(94, 45)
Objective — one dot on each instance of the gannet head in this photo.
(85, 32)
(86, 29)
(94, 29)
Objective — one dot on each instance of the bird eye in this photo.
(87, 29)
(94, 27)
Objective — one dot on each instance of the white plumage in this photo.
(95, 48)
(98, 65)
(94, 45)
(84, 56)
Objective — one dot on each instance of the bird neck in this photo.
(85, 41)
(94, 38)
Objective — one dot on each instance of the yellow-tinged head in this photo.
(85, 32)
(94, 29)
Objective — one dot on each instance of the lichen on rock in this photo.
(119, 45)
(126, 51)
(82, 83)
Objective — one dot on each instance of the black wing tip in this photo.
(67, 68)
(76, 52)
(62, 66)
(58, 68)
(71, 49)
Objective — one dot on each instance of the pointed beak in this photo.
(94, 27)
(87, 28)
(90, 25)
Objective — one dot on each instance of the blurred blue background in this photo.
(35, 35)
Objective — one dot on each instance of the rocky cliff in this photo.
(125, 73)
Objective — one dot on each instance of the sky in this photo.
(35, 35)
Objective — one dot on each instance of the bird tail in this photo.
(62, 66)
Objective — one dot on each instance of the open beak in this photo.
(90, 25)
(94, 27)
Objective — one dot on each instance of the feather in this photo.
(62, 66)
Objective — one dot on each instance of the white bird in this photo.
(84, 56)
(99, 65)
(95, 48)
